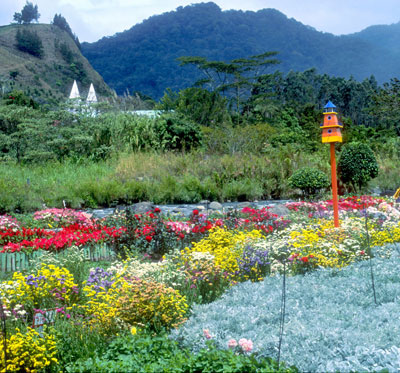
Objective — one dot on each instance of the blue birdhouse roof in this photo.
(329, 105)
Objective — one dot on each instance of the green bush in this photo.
(309, 181)
(177, 132)
(357, 165)
(29, 42)
(157, 353)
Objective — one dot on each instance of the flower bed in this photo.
(37, 239)
(192, 269)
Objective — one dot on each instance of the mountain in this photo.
(44, 63)
(143, 58)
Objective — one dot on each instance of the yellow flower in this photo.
(133, 330)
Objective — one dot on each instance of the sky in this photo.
(90, 20)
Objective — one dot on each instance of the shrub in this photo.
(178, 133)
(29, 352)
(357, 165)
(226, 246)
(29, 42)
(144, 352)
(309, 181)
(49, 286)
(151, 304)
(57, 218)
(129, 302)
(205, 281)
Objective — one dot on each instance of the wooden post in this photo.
(334, 187)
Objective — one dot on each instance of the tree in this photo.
(235, 78)
(386, 105)
(309, 181)
(200, 105)
(357, 165)
(29, 42)
(62, 23)
(28, 14)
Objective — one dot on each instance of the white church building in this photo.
(78, 103)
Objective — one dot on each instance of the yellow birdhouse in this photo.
(331, 126)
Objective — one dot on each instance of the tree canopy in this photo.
(28, 14)
(62, 23)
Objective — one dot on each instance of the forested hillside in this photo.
(144, 58)
(43, 61)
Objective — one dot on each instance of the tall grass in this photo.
(166, 178)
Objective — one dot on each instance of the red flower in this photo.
(157, 210)
(181, 236)
(149, 238)
(304, 259)
(195, 212)
(362, 252)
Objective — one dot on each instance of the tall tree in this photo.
(386, 105)
(29, 13)
(62, 23)
(234, 79)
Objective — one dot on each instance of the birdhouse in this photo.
(331, 127)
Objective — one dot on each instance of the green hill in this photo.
(48, 78)
(144, 57)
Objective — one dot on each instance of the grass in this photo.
(165, 178)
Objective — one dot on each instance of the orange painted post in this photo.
(331, 133)
(334, 187)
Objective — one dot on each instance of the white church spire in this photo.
(74, 91)
(91, 97)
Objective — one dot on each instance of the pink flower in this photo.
(232, 343)
(207, 334)
(246, 344)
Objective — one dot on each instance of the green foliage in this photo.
(228, 139)
(66, 53)
(19, 98)
(238, 75)
(29, 42)
(62, 23)
(157, 353)
(319, 306)
(177, 133)
(200, 105)
(357, 165)
(385, 105)
(221, 36)
(75, 341)
(309, 180)
(28, 14)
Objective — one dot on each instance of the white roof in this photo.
(74, 91)
(91, 97)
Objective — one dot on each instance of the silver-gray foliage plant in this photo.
(332, 323)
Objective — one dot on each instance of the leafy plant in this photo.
(146, 352)
(357, 165)
(178, 133)
(309, 181)
(28, 14)
(29, 42)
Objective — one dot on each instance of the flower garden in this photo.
(205, 293)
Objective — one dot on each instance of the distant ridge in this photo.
(47, 79)
(144, 57)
